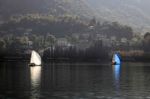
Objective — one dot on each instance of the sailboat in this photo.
(35, 59)
(116, 60)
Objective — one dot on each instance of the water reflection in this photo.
(116, 70)
(116, 73)
(35, 81)
(74, 81)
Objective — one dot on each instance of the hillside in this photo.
(134, 13)
(54, 7)
(130, 12)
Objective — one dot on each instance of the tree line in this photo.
(95, 52)
(34, 31)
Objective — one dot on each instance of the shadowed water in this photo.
(74, 81)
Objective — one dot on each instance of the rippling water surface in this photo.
(74, 81)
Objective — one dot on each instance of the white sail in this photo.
(116, 59)
(35, 58)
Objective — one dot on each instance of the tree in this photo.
(92, 22)
(146, 42)
(2, 44)
(50, 40)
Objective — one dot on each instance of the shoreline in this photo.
(5, 59)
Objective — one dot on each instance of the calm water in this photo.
(74, 81)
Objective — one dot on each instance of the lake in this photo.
(74, 81)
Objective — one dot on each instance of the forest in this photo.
(67, 37)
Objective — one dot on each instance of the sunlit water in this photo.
(74, 81)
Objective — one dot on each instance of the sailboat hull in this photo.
(114, 63)
(31, 64)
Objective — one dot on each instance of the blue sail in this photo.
(116, 59)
